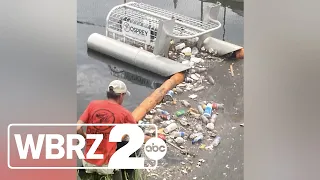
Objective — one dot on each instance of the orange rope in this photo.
(157, 96)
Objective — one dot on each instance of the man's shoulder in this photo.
(124, 110)
(97, 102)
(114, 107)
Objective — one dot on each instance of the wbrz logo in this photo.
(155, 148)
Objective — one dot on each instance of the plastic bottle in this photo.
(210, 126)
(203, 105)
(165, 117)
(198, 89)
(200, 70)
(170, 128)
(197, 139)
(213, 118)
(172, 46)
(178, 90)
(160, 111)
(180, 113)
(180, 46)
(208, 111)
(211, 80)
(168, 96)
(179, 140)
(194, 51)
(194, 135)
(217, 106)
(204, 119)
(199, 127)
(200, 109)
(216, 141)
(178, 134)
(185, 103)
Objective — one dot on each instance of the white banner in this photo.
(30, 146)
(136, 32)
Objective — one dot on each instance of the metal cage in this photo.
(138, 24)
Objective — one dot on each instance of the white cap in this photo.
(119, 87)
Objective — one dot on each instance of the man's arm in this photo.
(130, 120)
(80, 130)
(83, 119)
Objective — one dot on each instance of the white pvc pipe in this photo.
(134, 56)
(222, 47)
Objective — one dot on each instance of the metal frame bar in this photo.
(202, 31)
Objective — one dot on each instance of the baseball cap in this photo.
(119, 87)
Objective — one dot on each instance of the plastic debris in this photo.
(165, 117)
(199, 127)
(180, 113)
(179, 140)
(210, 126)
(211, 80)
(180, 46)
(202, 146)
(194, 135)
(169, 96)
(194, 51)
(148, 117)
(160, 131)
(195, 60)
(170, 128)
(183, 122)
(178, 134)
(208, 110)
(185, 103)
(213, 118)
(197, 139)
(195, 123)
(178, 90)
(195, 77)
(231, 70)
(204, 119)
(198, 89)
(217, 106)
(216, 141)
(186, 50)
(184, 171)
(193, 96)
(200, 109)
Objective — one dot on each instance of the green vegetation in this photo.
(137, 175)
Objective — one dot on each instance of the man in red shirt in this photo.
(107, 111)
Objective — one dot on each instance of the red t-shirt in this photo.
(104, 112)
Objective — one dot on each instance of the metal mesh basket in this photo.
(137, 24)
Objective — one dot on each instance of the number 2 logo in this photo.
(120, 159)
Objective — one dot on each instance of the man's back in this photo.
(104, 112)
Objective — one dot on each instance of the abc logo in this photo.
(155, 148)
